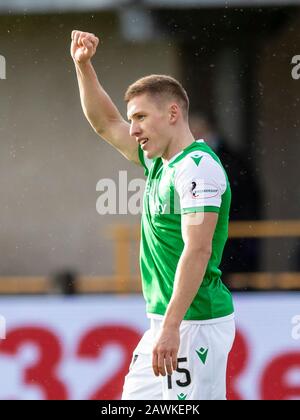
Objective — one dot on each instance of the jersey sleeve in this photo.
(200, 184)
(145, 162)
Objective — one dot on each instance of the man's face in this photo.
(149, 124)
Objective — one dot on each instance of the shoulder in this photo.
(199, 163)
(200, 182)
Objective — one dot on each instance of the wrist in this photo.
(83, 65)
(171, 324)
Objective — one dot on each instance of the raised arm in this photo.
(97, 106)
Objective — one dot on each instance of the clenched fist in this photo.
(83, 46)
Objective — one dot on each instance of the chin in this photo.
(151, 154)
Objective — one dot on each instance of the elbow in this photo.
(203, 251)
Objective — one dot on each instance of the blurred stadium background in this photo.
(70, 306)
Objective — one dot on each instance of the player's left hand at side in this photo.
(164, 354)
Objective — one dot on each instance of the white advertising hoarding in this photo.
(58, 5)
(75, 5)
(80, 347)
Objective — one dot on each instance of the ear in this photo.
(174, 113)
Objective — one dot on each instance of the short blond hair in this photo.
(160, 85)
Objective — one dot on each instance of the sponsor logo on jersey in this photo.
(201, 190)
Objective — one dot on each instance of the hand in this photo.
(83, 46)
(164, 355)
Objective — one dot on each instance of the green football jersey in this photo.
(192, 181)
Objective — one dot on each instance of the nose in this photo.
(135, 129)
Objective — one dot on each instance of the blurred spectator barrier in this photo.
(126, 279)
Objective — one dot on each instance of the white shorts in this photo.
(201, 370)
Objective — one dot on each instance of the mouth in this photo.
(143, 142)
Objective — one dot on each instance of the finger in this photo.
(91, 38)
(82, 35)
(155, 364)
(174, 360)
(73, 33)
(168, 363)
(94, 40)
(86, 43)
(76, 38)
(161, 364)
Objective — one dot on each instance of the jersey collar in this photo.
(177, 157)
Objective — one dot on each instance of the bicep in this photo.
(198, 229)
(118, 136)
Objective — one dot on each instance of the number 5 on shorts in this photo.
(187, 378)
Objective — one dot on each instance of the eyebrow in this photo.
(129, 117)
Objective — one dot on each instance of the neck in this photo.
(212, 139)
(180, 141)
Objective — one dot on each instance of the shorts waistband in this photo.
(199, 322)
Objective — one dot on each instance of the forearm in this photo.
(96, 104)
(189, 276)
